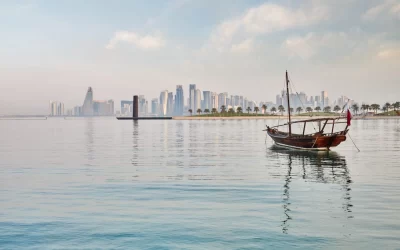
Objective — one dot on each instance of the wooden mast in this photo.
(288, 103)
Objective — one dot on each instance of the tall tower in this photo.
(324, 99)
(214, 100)
(60, 109)
(53, 108)
(207, 100)
(179, 100)
(170, 103)
(87, 108)
(154, 106)
(192, 93)
(163, 103)
(197, 100)
(221, 100)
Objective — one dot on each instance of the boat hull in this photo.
(318, 143)
(299, 148)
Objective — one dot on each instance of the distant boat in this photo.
(319, 140)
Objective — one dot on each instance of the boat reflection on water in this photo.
(322, 167)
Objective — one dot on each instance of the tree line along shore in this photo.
(366, 109)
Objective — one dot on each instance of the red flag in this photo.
(348, 117)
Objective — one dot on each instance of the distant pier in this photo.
(144, 118)
(135, 113)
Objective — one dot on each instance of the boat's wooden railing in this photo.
(327, 121)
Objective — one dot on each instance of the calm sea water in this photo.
(107, 184)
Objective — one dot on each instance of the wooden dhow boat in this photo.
(319, 140)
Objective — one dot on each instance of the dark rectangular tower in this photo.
(135, 107)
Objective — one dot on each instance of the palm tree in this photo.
(291, 110)
(223, 108)
(355, 108)
(206, 111)
(199, 111)
(273, 110)
(327, 109)
(367, 107)
(256, 109)
(299, 109)
(231, 111)
(396, 105)
(190, 111)
(318, 108)
(239, 110)
(264, 107)
(213, 110)
(336, 108)
(363, 107)
(375, 107)
(388, 107)
(248, 110)
(309, 109)
(281, 109)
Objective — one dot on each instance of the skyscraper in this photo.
(207, 100)
(324, 99)
(170, 103)
(111, 110)
(278, 100)
(221, 100)
(142, 105)
(237, 101)
(179, 100)
(302, 97)
(197, 100)
(154, 106)
(77, 111)
(60, 109)
(103, 107)
(126, 107)
(163, 103)
(87, 107)
(214, 100)
(317, 100)
(53, 108)
(192, 93)
(312, 100)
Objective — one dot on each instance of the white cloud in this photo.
(330, 44)
(396, 10)
(146, 42)
(389, 53)
(245, 46)
(264, 19)
(388, 7)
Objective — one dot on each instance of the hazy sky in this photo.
(55, 50)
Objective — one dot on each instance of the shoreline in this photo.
(275, 117)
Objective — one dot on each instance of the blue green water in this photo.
(107, 184)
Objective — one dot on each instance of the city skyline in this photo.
(168, 105)
(51, 52)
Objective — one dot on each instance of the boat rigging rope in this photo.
(354, 143)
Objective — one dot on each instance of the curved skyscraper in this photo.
(87, 108)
